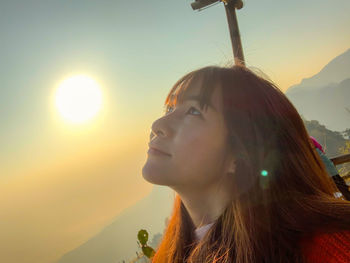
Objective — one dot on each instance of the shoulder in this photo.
(326, 247)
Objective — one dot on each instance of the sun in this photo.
(78, 99)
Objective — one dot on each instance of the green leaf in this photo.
(148, 251)
(142, 237)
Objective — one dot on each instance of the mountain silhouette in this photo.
(118, 241)
(334, 72)
(326, 96)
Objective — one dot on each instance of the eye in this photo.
(195, 110)
(191, 108)
(167, 109)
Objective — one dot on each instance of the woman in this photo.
(249, 187)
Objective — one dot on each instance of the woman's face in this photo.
(196, 141)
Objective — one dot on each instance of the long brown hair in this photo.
(284, 190)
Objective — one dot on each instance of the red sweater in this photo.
(327, 247)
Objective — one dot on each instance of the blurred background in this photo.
(83, 80)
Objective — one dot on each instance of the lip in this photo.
(156, 151)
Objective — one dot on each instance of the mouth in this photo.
(154, 151)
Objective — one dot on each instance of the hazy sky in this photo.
(60, 184)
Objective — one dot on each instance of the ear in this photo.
(232, 166)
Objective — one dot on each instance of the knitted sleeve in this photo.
(327, 247)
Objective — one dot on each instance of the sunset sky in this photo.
(61, 183)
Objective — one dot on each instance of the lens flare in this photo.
(264, 173)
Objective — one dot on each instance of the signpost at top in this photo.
(230, 6)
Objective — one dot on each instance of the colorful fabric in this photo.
(331, 169)
(316, 143)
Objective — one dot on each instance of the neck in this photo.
(205, 205)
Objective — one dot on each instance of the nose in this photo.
(151, 135)
(158, 129)
(155, 132)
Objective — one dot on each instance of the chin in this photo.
(153, 177)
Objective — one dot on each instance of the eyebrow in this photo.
(197, 98)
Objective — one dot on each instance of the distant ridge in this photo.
(326, 96)
(117, 241)
(334, 72)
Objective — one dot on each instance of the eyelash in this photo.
(166, 110)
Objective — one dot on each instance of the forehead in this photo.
(193, 91)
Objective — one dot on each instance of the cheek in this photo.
(199, 160)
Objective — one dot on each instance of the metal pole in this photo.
(234, 33)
